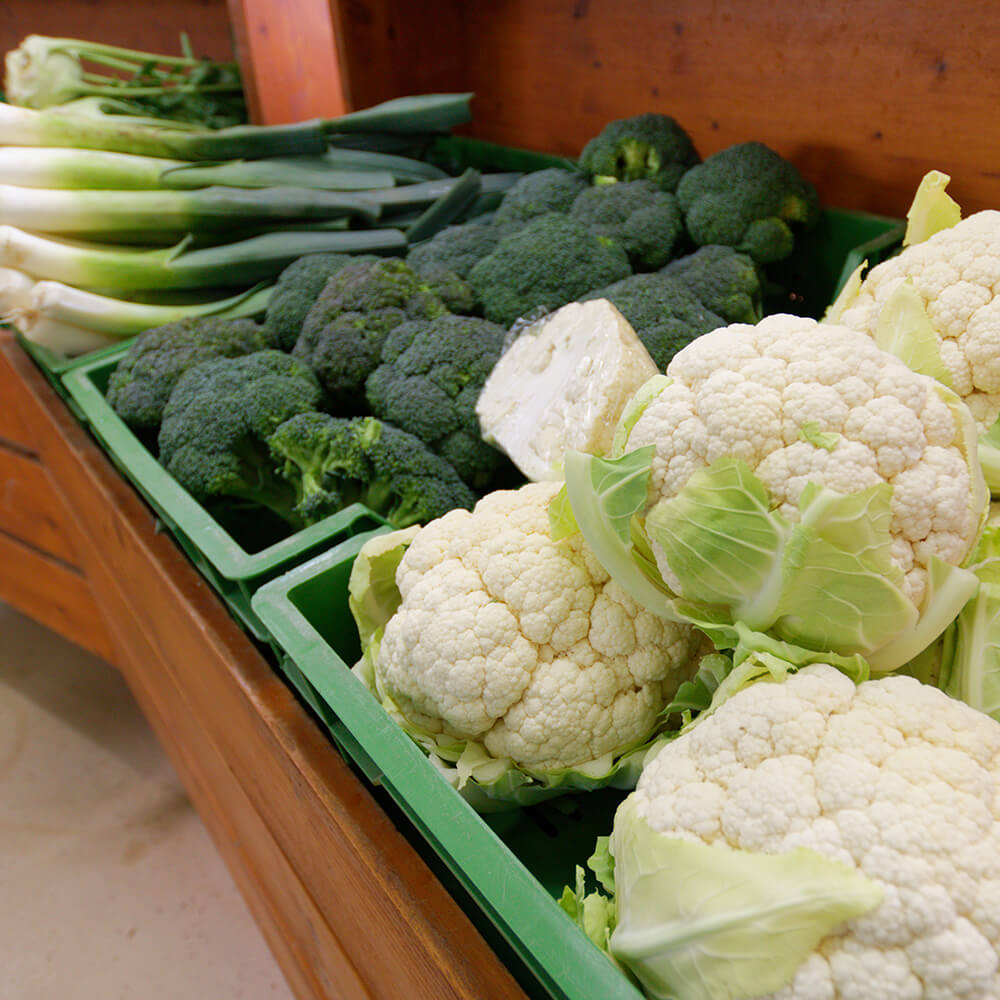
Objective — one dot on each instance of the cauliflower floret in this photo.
(524, 644)
(956, 273)
(754, 393)
(890, 777)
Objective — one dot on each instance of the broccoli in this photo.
(644, 220)
(213, 439)
(551, 261)
(747, 197)
(662, 310)
(725, 281)
(539, 193)
(457, 295)
(649, 147)
(336, 461)
(455, 248)
(431, 374)
(341, 339)
(297, 288)
(140, 385)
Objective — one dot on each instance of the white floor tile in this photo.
(109, 884)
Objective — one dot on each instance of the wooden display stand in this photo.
(864, 98)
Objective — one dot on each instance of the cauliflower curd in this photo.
(800, 401)
(524, 644)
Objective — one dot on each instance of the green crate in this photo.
(223, 553)
(513, 864)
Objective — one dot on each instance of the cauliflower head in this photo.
(891, 780)
(956, 273)
(799, 402)
(524, 645)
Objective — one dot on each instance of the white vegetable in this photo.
(563, 384)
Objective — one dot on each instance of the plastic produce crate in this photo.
(233, 556)
(512, 864)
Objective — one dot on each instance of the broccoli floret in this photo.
(645, 147)
(662, 310)
(297, 288)
(454, 291)
(539, 193)
(341, 339)
(431, 374)
(140, 385)
(725, 281)
(336, 461)
(213, 439)
(645, 221)
(456, 248)
(551, 261)
(747, 197)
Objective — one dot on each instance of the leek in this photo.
(128, 269)
(68, 169)
(206, 210)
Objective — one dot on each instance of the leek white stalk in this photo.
(68, 169)
(15, 292)
(63, 338)
(43, 210)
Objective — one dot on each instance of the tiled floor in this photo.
(109, 884)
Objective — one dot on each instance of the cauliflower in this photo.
(956, 273)
(886, 795)
(513, 648)
(802, 402)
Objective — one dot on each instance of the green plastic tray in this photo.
(512, 865)
(230, 563)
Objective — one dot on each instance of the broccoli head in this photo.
(335, 461)
(551, 261)
(297, 288)
(341, 339)
(649, 147)
(140, 385)
(725, 281)
(431, 374)
(644, 220)
(747, 197)
(665, 314)
(455, 248)
(213, 438)
(538, 193)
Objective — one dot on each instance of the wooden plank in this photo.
(864, 98)
(54, 594)
(30, 509)
(290, 59)
(338, 841)
(14, 404)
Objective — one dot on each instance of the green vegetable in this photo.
(142, 381)
(649, 146)
(215, 426)
(446, 209)
(343, 333)
(429, 379)
(550, 261)
(456, 248)
(726, 282)
(333, 462)
(637, 215)
(747, 197)
(539, 193)
(69, 169)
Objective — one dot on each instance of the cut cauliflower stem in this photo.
(956, 273)
(891, 779)
(800, 402)
(563, 384)
(523, 645)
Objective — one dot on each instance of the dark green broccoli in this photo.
(747, 197)
(725, 281)
(649, 147)
(140, 385)
(297, 288)
(431, 374)
(662, 310)
(551, 261)
(336, 461)
(644, 220)
(453, 290)
(539, 193)
(213, 439)
(341, 339)
(456, 248)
